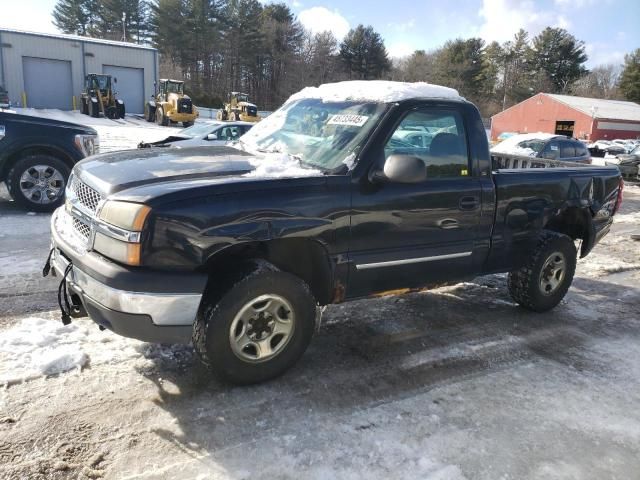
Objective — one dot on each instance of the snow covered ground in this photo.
(450, 384)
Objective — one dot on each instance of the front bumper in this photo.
(174, 116)
(148, 305)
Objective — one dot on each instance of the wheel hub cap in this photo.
(42, 184)
(552, 274)
(262, 328)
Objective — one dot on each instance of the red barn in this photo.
(580, 117)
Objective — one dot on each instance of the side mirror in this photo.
(212, 136)
(402, 168)
(115, 79)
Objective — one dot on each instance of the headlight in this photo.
(123, 252)
(130, 216)
(88, 144)
(118, 235)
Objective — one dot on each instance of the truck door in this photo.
(406, 235)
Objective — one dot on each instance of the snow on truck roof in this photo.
(379, 91)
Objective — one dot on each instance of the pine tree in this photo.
(560, 57)
(630, 78)
(77, 17)
(363, 54)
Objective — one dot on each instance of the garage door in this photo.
(130, 86)
(47, 83)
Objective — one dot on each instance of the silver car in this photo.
(209, 133)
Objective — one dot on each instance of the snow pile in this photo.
(512, 146)
(279, 165)
(36, 347)
(378, 91)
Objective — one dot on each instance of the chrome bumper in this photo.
(165, 309)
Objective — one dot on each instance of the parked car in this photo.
(37, 155)
(4, 98)
(628, 163)
(544, 145)
(236, 247)
(210, 133)
(601, 148)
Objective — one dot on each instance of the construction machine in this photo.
(170, 104)
(238, 109)
(98, 97)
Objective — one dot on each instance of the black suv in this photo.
(36, 157)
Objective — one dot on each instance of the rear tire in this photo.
(37, 182)
(85, 107)
(545, 279)
(271, 313)
(120, 109)
(149, 113)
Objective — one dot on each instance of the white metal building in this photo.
(48, 70)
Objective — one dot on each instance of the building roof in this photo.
(78, 38)
(597, 108)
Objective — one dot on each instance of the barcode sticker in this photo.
(351, 120)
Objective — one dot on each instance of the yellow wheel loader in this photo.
(98, 97)
(170, 104)
(238, 109)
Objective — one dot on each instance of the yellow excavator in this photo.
(239, 108)
(170, 104)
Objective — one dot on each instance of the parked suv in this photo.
(544, 145)
(37, 155)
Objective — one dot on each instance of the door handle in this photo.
(468, 203)
(447, 223)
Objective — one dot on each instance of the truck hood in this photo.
(157, 171)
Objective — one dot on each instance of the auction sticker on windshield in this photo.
(351, 120)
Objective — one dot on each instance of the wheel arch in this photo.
(576, 223)
(305, 258)
(14, 156)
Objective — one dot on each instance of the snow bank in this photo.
(511, 145)
(379, 91)
(38, 347)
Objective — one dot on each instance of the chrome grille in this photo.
(82, 228)
(86, 195)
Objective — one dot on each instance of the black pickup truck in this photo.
(37, 155)
(237, 248)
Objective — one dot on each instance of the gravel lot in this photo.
(454, 383)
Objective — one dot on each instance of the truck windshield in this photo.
(321, 134)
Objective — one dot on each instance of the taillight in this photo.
(619, 199)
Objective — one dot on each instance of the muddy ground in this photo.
(455, 383)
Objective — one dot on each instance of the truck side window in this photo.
(441, 142)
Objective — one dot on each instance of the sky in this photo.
(609, 28)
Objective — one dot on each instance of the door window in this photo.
(443, 150)
(567, 150)
(551, 151)
(228, 133)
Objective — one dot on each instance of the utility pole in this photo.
(124, 27)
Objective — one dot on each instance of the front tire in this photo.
(187, 124)
(545, 279)
(37, 182)
(257, 329)
(161, 119)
